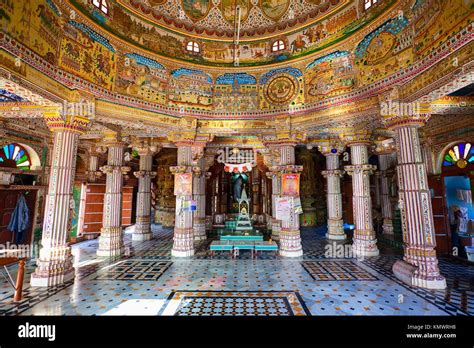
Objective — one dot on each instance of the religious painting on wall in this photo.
(228, 9)
(196, 9)
(290, 184)
(274, 9)
(183, 184)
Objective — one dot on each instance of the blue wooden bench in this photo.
(265, 246)
(243, 245)
(219, 245)
(242, 238)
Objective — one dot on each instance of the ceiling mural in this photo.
(165, 28)
(97, 54)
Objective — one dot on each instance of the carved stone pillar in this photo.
(93, 172)
(420, 264)
(364, 240)
(290, 238)
(54, 265)
(145, 174)
(111, 237)
(183, 239)
(333, 176)
(199, 195)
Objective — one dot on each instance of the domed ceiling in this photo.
(215, 18)
(166, 26)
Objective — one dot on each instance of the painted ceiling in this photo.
(165, 26)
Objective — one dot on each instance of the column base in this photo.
(332, 236)
(142, 232)
(110, 242)
(51, 280)
(54, 270)
(183, 242)
(364, 247)
(181, 253)
(290, 243)
(409, 274)
(142, 236)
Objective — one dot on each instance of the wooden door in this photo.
(93, 201)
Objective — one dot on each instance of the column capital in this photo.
(384, 146)
(332, 173)
(185, 169)
(145, 148)
(111, 169)
(365, 169)
(396, 114)
(110, 140)
(144, 174)
(356, 137)
(331, 147)
(291, 168)
(68, 123)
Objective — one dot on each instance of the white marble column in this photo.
(54, 265)
(183, 239)
(333, 176)
(385, 161)
(420, 264)
(199, 195)
(93, 172)
(364, 240)
(290, 238)
(111, 237)
(143, 211)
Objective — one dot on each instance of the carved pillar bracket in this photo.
(332, 151)
(54, 265)
(420, 264)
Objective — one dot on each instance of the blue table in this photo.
(265, 246)
(219, 245)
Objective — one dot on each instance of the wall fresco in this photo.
(238, 91)
(330, 75)
(190, 89)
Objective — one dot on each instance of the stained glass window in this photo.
(460, 155)
(14, 156)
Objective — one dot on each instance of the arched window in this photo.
(460, 154)
(193, 47)
(101, 5)
(369, 3)
(278, 45)
(14, 156)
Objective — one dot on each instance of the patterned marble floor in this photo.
(148, 281)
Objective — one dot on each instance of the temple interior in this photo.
(237, 157)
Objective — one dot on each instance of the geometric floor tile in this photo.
(134, 270)
(336, 270)
(232, 303)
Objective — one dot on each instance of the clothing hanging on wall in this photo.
(20, 219)
(464, 195)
